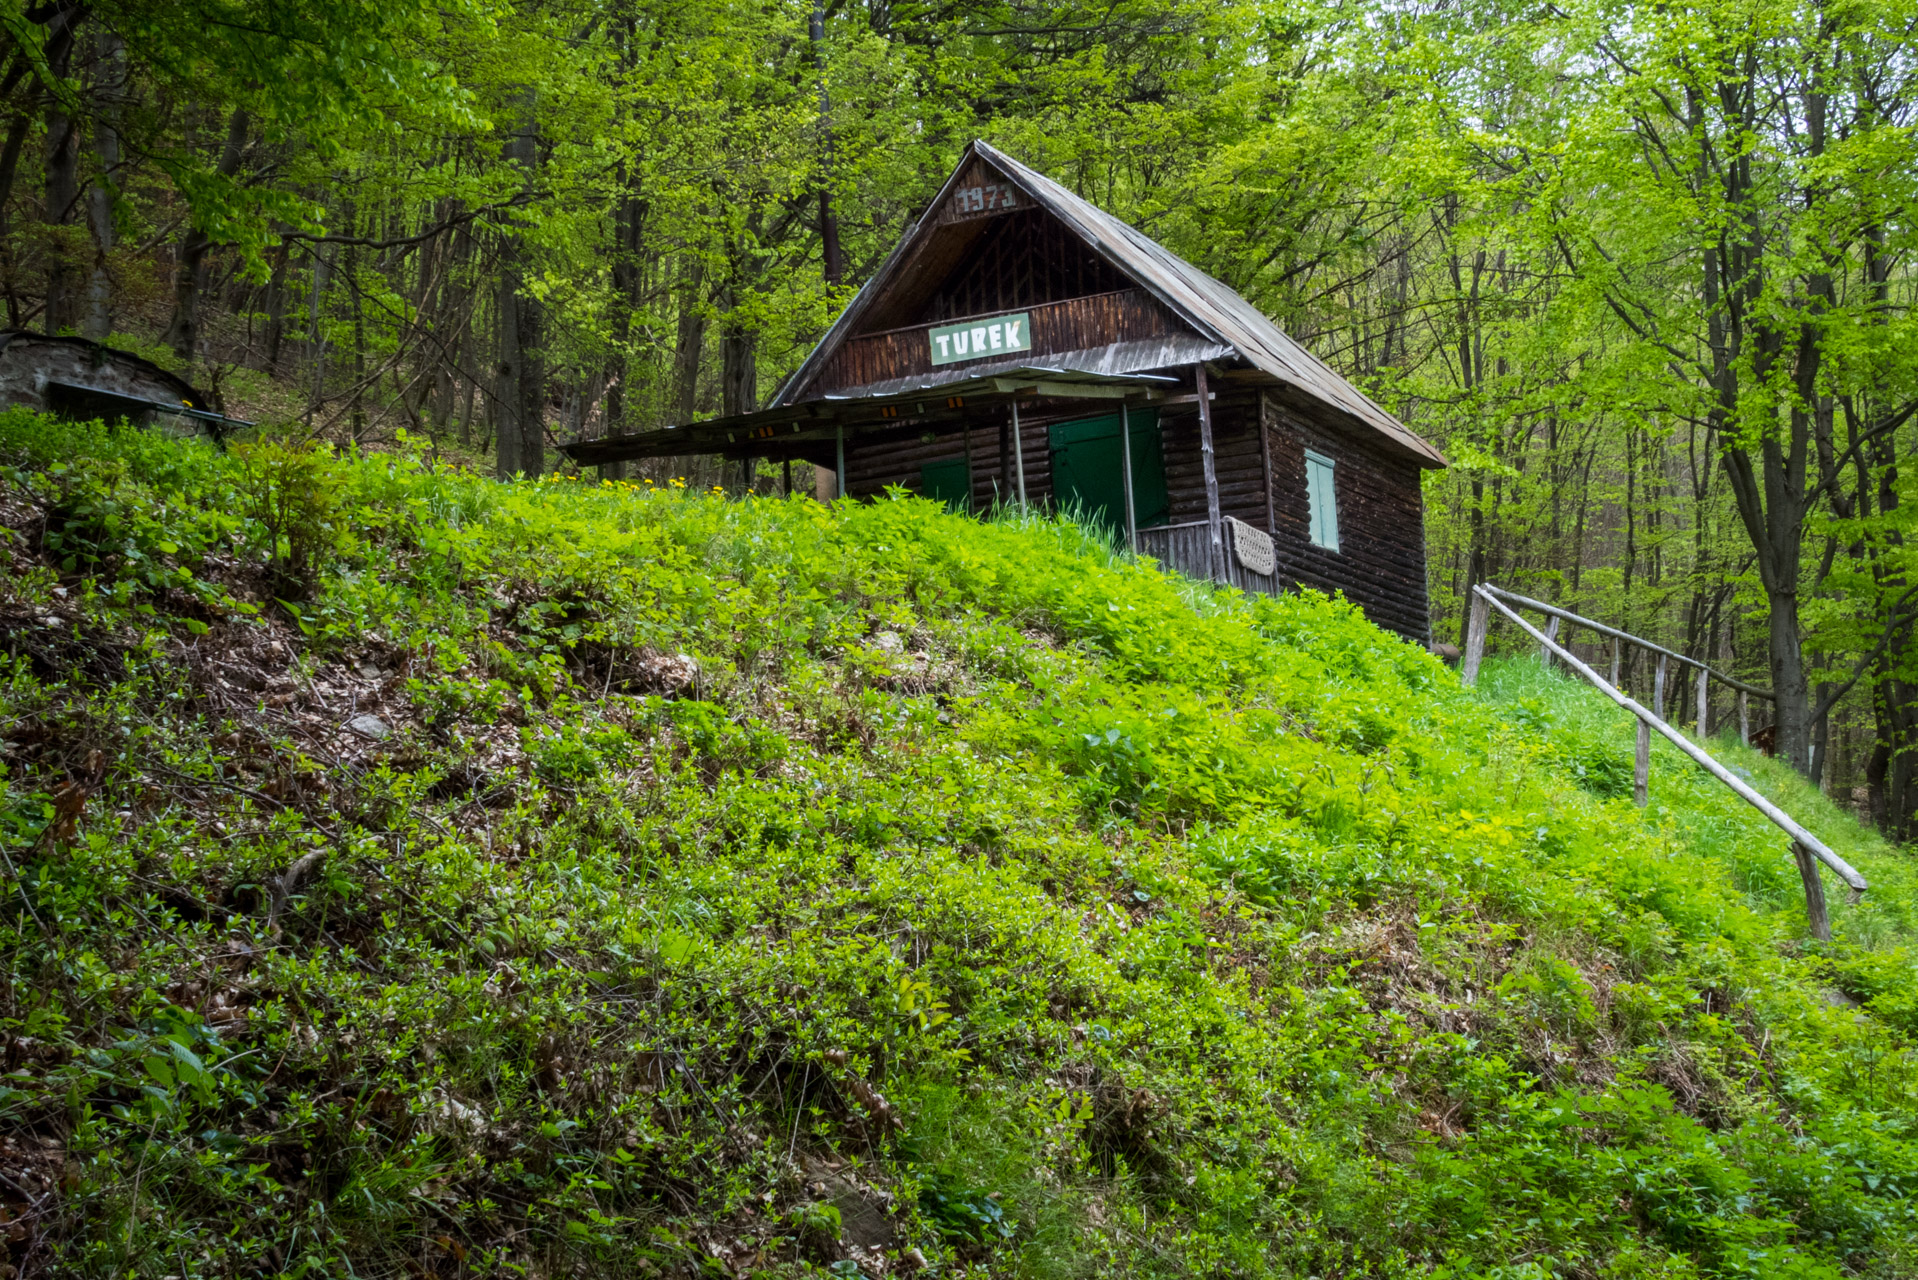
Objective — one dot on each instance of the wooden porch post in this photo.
(1125, 473)
(1019, 456)
(786, 477)
(1214, 522)
(840, 437)
(1265, 465)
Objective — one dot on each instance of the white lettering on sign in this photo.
(977, 338)
(986, 197)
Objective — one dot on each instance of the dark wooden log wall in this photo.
(1380, 563)
(1235, 458)
(876, 463)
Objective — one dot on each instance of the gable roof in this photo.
(1208, 305)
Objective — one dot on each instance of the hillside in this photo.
(410, 875)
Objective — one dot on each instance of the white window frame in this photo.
(1322, 499)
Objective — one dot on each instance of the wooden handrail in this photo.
(1805, 845)
(1552, 610)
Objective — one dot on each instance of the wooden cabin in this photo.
(1022, 346)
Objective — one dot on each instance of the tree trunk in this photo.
(316, 331)
(831, 258)
(351, 270)
(689, 346)
(521, 406)
(275, 337)
(628, 233)
(96, 320)
(63, 199)
(189, 273)
(738, 363)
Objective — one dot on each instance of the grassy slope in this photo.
(761, 887)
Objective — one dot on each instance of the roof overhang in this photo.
(934, 405)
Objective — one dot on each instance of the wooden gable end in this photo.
(988, 251)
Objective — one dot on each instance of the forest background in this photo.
(1644, 273)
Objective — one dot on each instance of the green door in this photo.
(949, 482)
(1086, 472)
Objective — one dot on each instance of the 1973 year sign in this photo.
(976, 338)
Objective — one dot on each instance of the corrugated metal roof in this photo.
(1208, 305)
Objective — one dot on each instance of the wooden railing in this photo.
(1807, 849)
(1187, 548)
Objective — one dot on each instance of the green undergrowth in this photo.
(410, 875)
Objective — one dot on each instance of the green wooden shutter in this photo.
(949, 482)
(1322, 497)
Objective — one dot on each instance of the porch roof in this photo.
(787, 430)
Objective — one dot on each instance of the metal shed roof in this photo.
(1207, 304)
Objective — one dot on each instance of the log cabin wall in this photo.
(876, 463)
(1380, 563)
(1235, 459)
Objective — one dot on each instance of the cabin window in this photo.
(1088, 476)
(1322, 498)
(949, 482)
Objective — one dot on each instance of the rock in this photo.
(371, 726)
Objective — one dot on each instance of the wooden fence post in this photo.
(1551, 634)
(1475, 628)
(1617, 644)
(1744, 718)
(1642, 766)
(1642, 762)
(1704, 702)
(1815, 910)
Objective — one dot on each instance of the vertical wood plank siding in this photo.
(1072, 325)
(1021, 259)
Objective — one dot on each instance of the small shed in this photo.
(1022, 346)
(79, 378)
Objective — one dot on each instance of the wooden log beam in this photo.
(1552, 610)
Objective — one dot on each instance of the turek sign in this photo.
(976, 338)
